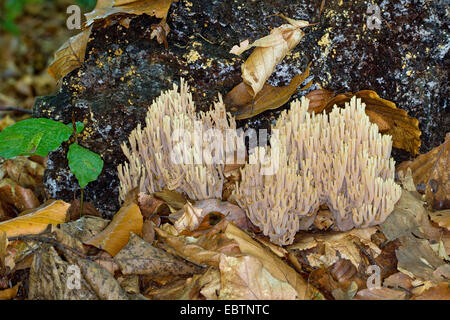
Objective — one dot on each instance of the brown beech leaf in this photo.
(335, 245)
(439, 292)
(268, 52)
(278, 268)
(150, 205)
(100, 280)
(174, 199)
(318, 99)
(140, 257)
(409, 216)
(19, 197)
(441, 218)
(203, 250)
(88, 210)
(37, 220)
(416, 257)
(384, 113)
(70, 55)
(398, 280)
(85, 228)
(11, 293)
(245, 278)
(105, 9)
(193, 215)
(243, 105)
(431, 170)
(116, 235)
(380, 293)
(49, 274)
(23, 171)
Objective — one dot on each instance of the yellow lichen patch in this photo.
(193, 56)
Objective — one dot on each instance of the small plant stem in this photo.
(81, 201)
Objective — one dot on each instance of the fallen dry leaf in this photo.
(19, 197)
(85, 228)
(439, 292)
(49, 276)
(430, 170)
(116, 235)
(268, 52)
(202, 250)
(318, 100)
(398, 280)
(9, 294)
(105, 9)
(140, 257)
(243, 105)
(384, 113)
(174, 199)
(193, 215)
(245, 278)
(100, 280)
(278, 268)
(24, 171)
(70, 55)
(336, 245)
(54, 212)
(417, 259)
(380, 293)
(88, 210)
(441, 218)
(150, 205)
(409, 216)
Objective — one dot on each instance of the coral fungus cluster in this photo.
(339, 159)
(176, 149)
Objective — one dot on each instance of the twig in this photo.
(7, 108)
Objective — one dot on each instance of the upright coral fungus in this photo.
(340, 160)
(178, 149)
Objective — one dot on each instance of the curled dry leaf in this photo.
(431, 170)
(107, 8)
(11, 293)
(439, 292)
(335, 245)
(243, 105)
(36, 221)
(70, 55)
(441, 218)
(23, 171)
(268, 52)
(384, 113)
(398, 280)
(19, 197)
(193, 215)
(202, 250)
(245, 278)
(278, 268)
(88, 210)
(116, 235)
(380, 293)
(174, 199)
(100, 280)
(49, 275)
(409, 216)
(417, 258)
(85, 228)
(150, 205)
(140, 257)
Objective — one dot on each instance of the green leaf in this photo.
(84, 164)
(34, 137)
